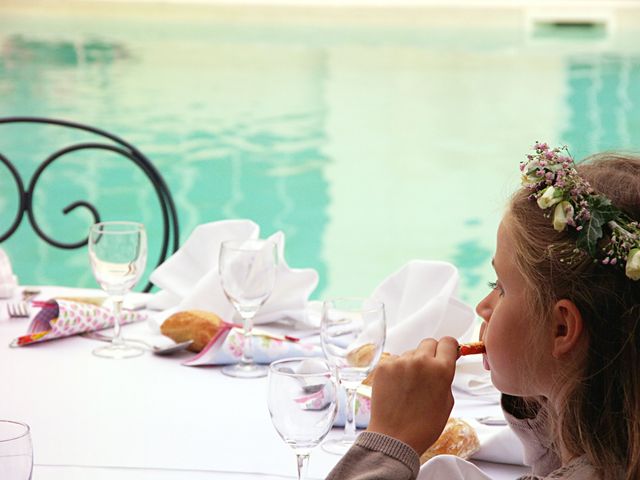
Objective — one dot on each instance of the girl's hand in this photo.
(411, 397)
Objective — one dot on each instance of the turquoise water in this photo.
(368, 144)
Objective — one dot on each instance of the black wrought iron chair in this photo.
(170, 238)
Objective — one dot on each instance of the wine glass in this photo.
(352, 333)
(118, 254)
(302, 399)
(248, 274)
(16, 452)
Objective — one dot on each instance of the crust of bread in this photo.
(197, 325)
(458, 438)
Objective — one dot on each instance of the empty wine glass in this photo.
(248, 274)
(352, 333)
(118, 254)
(16, 452)
(302, 401)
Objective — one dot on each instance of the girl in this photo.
(560, 327)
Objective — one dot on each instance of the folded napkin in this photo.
(189, 279)
(472, 379)
(62, 318)
(226, 348)
(451, 468)
(420, 302)
(499, 444)
(8, 281)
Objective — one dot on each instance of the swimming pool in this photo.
(369, 137)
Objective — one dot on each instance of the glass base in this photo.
(337, 446)
(246, 370)
(118, 351)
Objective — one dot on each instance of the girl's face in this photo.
(507, 328)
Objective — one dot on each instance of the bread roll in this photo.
(196, 325)
(458, 438)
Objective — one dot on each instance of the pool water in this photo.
(368, 143)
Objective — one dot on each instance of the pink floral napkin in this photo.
(59, 318)
(226, 348)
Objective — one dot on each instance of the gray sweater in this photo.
(380, 457)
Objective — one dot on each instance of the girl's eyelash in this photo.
(492, 285)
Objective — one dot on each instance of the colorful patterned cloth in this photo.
(62, 318)
(226, 348)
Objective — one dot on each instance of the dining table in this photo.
(151, 417)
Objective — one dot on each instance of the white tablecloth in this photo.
(150, 416)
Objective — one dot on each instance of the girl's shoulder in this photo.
(578, 469)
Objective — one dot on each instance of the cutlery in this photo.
(157, 350)
(493, 421)
(21, 308)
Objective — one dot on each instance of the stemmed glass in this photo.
(352, 333)
(16, 452)
(118, 254)
(248, 274)
(302, 401)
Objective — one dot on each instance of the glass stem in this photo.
(350, 417)
(117, 331)
(247, 349)
(303, 463)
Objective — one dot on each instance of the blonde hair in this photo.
(600, 396)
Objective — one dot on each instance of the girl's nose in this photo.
(484, 309)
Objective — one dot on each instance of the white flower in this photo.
(529, 173)
(550, 196)
(561, 214)
(633, 264)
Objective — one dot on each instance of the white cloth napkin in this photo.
(503, 447)
(451, 468)
(472, 379)
(420, 302)
(8, 281)
(499, 444)
(189, 279)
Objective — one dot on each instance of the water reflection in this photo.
(264, 164)
(18, 50)
(368, 146)
(603, 97)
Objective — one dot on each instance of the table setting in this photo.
(113, 381)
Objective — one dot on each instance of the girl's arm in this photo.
(407, 390)
(375, 456)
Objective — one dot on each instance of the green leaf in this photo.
(603, 207)
(591, 232)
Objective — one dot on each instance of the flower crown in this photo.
(554, 181)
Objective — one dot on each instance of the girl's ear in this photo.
(568, 327)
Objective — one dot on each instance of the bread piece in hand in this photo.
(196, 325)
(458, 438)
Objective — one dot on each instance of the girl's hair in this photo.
(599, 396)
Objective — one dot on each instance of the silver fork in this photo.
(18, 309)
(21, 308)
